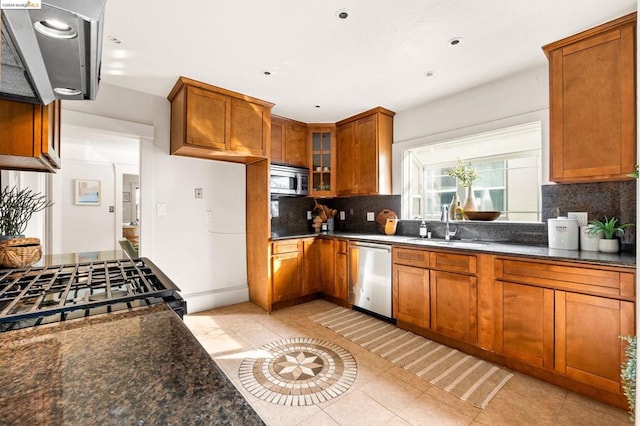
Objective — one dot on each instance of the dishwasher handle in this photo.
(385, 248)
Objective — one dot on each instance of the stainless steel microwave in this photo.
(288, 180)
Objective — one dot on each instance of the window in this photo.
(507, 163)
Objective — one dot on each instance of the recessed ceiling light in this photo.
(342, 14)
(65, 91)
(455, 41)
(266, 72)
(317, 106)
(114, 40)
(429, 74)
(55, 29)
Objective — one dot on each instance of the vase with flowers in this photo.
(466, 174)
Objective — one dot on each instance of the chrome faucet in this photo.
(445, 218)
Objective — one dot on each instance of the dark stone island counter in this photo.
(140, 367)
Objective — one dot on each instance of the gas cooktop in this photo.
(40, 295)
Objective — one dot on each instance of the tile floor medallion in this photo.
(298, 371)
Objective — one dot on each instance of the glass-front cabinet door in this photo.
(322, 140)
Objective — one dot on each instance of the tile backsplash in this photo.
(289, 214)
(597, 199)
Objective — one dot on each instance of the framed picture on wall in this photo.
(126, 197)
(87, 192)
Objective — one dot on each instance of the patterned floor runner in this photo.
(469, 378)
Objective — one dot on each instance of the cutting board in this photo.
(381, 219)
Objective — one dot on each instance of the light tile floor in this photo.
(383, 394)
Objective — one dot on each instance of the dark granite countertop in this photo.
(139, 367)
(540, 252)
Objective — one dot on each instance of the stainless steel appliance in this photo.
(370, 277)
(288, 180)
(53, 52)
(41, 295)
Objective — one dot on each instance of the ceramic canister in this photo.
(563, 233)
(588, 241)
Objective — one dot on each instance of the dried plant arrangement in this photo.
(16, 209)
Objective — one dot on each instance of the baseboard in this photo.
(202, 301)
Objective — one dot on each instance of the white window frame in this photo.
(403, 149)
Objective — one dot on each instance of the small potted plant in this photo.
(466, 174)
(16, 209)
(609, 229)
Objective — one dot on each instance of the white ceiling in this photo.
(378, 56)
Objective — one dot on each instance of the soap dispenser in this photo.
(423, 229)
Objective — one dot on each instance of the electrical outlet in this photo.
(161, 209)
(342, 215)
(581, 217)
(309, 215)
(198, 193)
(371, 216)
(208, 214)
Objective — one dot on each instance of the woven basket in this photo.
(20, 252)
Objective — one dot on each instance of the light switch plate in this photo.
(161, 209)
(198, 192)
(309, 215)
(582, 217)
(342, 215)
(371, 216)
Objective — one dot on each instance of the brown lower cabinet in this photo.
(587, 343)
(454, 305)
(411, 295)
(436, 291)
(303, 267)
(339, 288)
(318, 265)
(565, 317)
(560, 321)
(287, 270)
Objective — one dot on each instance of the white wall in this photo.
(205, 259)
(513, 100)
(95, 155)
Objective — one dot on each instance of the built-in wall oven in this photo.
(288, 180)
(370, 277)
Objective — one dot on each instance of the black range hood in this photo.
(53, 52)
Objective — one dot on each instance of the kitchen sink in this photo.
(434, 242)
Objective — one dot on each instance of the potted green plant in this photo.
(466, 174)
(609, 229)
(16, 209)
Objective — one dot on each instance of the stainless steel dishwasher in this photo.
(370, 277)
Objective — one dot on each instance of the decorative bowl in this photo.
(486, 215)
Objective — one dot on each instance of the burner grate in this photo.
(43, 291)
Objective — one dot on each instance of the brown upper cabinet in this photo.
(218, 124)
(364, 153)
(30, 136)
(592, 103)
(322, 149)
(289, 142)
